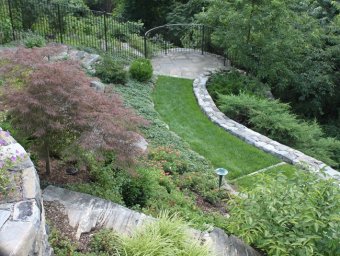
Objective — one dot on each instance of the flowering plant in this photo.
(7, 162)
(4, 177)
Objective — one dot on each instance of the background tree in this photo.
(151, 12)
(103, 5)
(184, 12)
(284, 46)
(57, 108)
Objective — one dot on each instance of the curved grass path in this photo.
(175, 101)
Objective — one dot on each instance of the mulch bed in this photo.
(208, 207)
(57, 218)
(59, 176)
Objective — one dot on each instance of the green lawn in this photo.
(175, 101)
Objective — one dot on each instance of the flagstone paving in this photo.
(186, 63)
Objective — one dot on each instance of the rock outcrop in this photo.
(22, 217)
(86, 213)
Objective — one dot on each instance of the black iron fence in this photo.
(83, 27)
(69, 25)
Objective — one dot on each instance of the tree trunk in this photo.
(47, 159)
(250, 21)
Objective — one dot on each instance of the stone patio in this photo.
(186, 63)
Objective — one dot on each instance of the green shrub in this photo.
(5, 28)
(141, 70)
(204, 184)
(107, 180)
(111, 71)
(289, 216)
(234, 82)
(275, 120)
(62, 246)
(139, 189)
(105, 241)
(171, 161)
(33, 40)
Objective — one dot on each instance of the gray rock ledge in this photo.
(86, 212)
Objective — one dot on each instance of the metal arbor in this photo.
(177, 37)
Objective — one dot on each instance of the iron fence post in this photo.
(166, 47)
(11, 17)
(203, 35)
(105, 31)
(60, 25)
(145, 48)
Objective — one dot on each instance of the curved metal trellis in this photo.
(177, 37)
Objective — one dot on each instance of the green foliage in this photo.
(234, 82)
(171, 160)
(107, 180)
(102, 5)
(247, 182)
(138, 190)
(141, 70)
(274, 119)
(6, 125)
(62, 246)
(4, 178)
(33, 40)
(5, 26)
(74, 4)
(151, 13)
(111, 71)
(105, 241)
(296, 216)
(184, 12)
(291, 47)
(205, 184)
(167, 236)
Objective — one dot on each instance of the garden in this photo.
(47, 105)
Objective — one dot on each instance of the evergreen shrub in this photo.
(33, 40)
(111, 71)
(275, 120)
(141, 70)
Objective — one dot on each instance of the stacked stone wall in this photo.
(22, 217)
(256, 139)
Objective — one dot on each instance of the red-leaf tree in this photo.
(57, 107)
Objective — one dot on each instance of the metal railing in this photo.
(99, 30)
(68, 25)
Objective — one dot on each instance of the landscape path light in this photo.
(221, 172)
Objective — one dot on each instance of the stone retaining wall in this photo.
(22, 217)
(251, 137)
